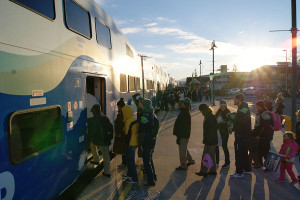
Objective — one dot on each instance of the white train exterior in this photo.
(51, 53)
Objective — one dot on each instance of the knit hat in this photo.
(260, 104)
(223, 103)
(147, 104)
(121, 103)
(186, 101)
(136, 97)
(203, 107)
(240, 97)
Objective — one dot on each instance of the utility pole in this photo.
(142, 64)
(294, 63)
(200, 67)
(213, 46)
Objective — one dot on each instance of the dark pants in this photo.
(148, 164)
(241, 155)
(124, 159)
(263, 149)
(131, 163)
(225, 148)
(217, 155)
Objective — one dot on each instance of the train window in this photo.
(45, 8)
(103, 34)
(131, 83)
(78, 19)
(33, 132)
(137, 83)
(129, 52)
(123, 83)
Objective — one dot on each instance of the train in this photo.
(53, 52)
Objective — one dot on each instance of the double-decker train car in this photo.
(52, 53)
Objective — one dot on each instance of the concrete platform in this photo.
(172, 184)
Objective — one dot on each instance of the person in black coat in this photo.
(210, 139)
(242, 128)
(182, 130)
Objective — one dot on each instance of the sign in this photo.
(75, 105)
(37, 93)
(272, 161)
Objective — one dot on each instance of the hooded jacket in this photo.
(289, 149)
(242, 124)
(263, 125)
(128, 118)
(146, 137)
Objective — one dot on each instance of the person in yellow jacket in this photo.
(131, 129)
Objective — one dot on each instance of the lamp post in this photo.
(213, 46)
(200, 67)
(286, 69)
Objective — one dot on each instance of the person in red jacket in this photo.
(288, 149)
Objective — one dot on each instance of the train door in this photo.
(96, 87)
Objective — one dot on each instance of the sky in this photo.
(177, 34)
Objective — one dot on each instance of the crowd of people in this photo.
(251, 145)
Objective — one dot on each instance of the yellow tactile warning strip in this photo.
(129, 185)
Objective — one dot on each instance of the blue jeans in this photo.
(148, 164)
(131, 163)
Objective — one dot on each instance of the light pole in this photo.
(200, 67)
(286, 69)
(213, 46)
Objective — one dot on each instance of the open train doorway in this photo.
(96, 87)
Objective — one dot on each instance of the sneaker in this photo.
(236, 175)
(129, 180)
(201, 174)
(280, 181)
(248, 172)
(294, 182)
(190, 163)
(125, 176)
(212, 173)
(225, 166)
(181, 168)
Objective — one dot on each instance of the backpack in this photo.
(155, 126)
(107, 128)
(277, 125)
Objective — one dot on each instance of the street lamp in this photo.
(213, 46)
(286, 69)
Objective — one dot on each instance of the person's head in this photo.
(260, 106)
(204, 109)
(146, 106)
(96, 110)
(120, 104)
(268, 105)
(136, 97)
(185, 103)
(288, 135)
(238, 99)
(223, 105)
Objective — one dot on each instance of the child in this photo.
(288, 149)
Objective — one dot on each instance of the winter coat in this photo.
(242, 124)
(182, 126)
(222, 122)
(119, 146)
(210, 136)
(128, 118)
(297, 129)
(289, 149)
(96, 131)
(263, 126)
(146, 137)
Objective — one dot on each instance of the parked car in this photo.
(234, 91)
(250, 90)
